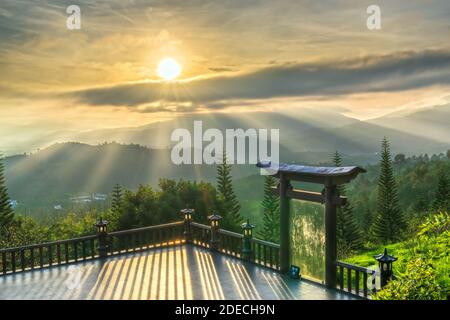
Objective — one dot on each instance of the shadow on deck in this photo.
(180, 272)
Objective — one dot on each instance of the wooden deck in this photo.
(180, 272)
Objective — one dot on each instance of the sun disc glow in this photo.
(169, 69)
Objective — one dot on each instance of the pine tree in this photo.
(6, 212)
(442, 197)
(116, 203)
(271, 209)
(389, 221)
(348, 234)
(230, 205)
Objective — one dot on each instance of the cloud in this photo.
(388, 73)
(220, 69)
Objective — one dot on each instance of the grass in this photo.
(431, 244)
(366, 258)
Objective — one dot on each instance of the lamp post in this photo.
(214, 221)
(102, 232)
(247, 229)
(187, 216)
(385, 264)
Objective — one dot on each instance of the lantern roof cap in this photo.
(214, 216)
(385, 257)
(247, 225)
(187, 210)
(101, 222)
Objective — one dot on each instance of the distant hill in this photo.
(158, 134)
(291, 126)
(308, 130)
(63, 170)
(432, 123)
(365, 137)
(302, 130)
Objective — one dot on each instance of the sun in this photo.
(169, 69)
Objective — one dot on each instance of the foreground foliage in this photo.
(419, 281)
(422, 270)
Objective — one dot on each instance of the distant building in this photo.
(99, 197)
(89, 198)
(13, 203)
(81, 199)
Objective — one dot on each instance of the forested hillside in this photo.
(417, 179)
(53, 175)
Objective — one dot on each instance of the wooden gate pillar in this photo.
(330, 236)
(285, 222)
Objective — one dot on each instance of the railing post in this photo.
(385, 262)
(102, 234)
(214, 241)
(247, 229)
(187, 218)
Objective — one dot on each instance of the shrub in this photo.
(418, 282)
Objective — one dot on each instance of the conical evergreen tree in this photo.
(348, 234)
(389, 221)
(442, 197)
(230, 205)
(6, 212)
(116, 203)
(271, 209)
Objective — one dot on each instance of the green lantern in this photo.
(187, 216)
(247, 229)
(102, 226)
(102, 233)
(385, 262)
(214, 220)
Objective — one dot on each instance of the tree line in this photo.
(129, 209)
(386, 222)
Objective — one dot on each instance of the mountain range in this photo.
(305, 130)
(141, 155)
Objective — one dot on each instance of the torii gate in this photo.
(330, 178)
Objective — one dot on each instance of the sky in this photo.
(236, 56)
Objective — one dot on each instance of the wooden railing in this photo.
(145, 238)
(200, 234)
(55, 253)
(266, 253)
(230, 243)
(354, 279)
(350, 278)
(47, 254)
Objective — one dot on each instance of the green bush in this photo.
(418, 282)
(23, 231)
(422, 273)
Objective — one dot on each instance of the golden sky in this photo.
(236, 56)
